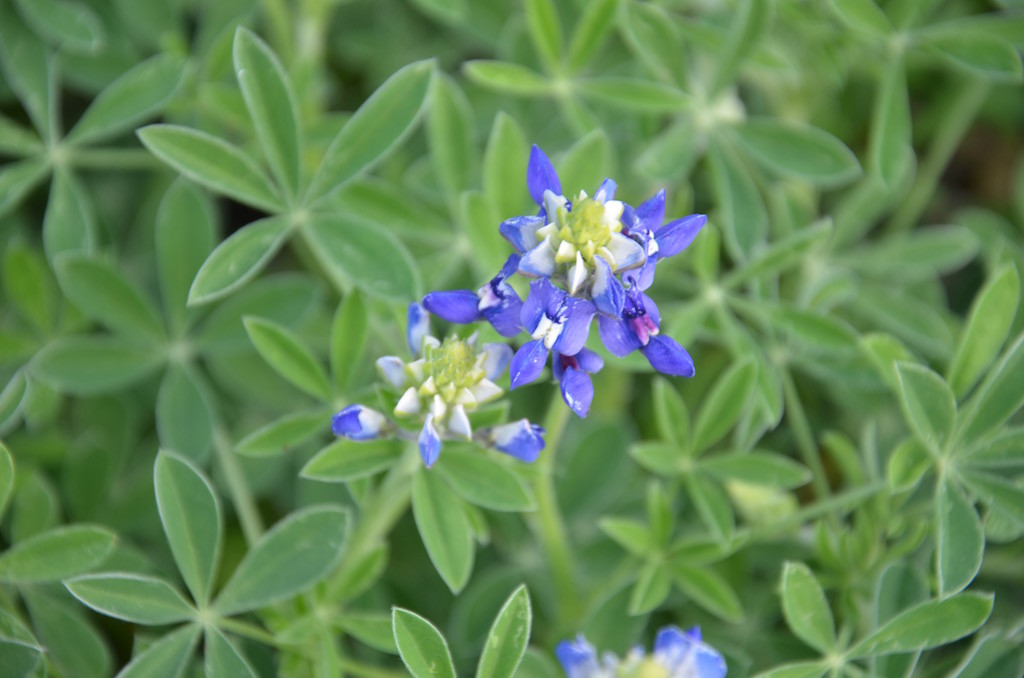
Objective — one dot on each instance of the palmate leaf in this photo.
(509, 635)
(56, 554)
(445, 529)
(423, 649)
(238, 259)
(133, 597)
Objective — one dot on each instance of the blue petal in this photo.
(668, 357)
(528, 363)
(521, 439)
(577, 326)
(557, 369)
(541, 176)
(677, 235)
(676, 650)
(589, 361)
(578, 658)
(358, 423)
(417, 327)
(577, 391)
(508, 269)
(651, 212)
(644, 276)
(538, 262)
(606, 191)
(616, 336)
(537, 302)
(505, 317)
(455, 306)
(429, 442)
(521, 232)
(652, 309)
(606, 291)
(496, 360)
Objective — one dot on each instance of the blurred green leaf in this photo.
(133, 597)
(799, 151)
(960, 539)
(90, 365)
(29, 71)
(6, 477)
(184, 237)
(56, 554)
(450, 136)
(724, 404)
(166, 658)
(423, 649)
(348, 337)
(806, 609)
(483, 481)
(758, 468)
(504, 168)
(17, 140)
(710, 590)
(712, 504)
(508, 77)
(890, 150)
(70, 25)
(104, 295)
(288, 355)
(652, 586)
(998, 396)
(930, 624)
(69, 224)
(72, 643)
(590, 31)
(223, 658)
(988, 324)
(379, 125)
(12, 396)
(744, 216)
(545, 32)
(863, 15)
(751, 20)
(30, 287)
(345, 460)
(928, 404)
(982, 55)
(191, 518)
(295, 554)
(238, 259)
(444, 528)
(631, 94)
(184, 421)
(283, 433)
(795, 670)
(17, 179)
(509, 635)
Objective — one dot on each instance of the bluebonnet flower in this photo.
(496, 302)
(644, 225)
(677, 654)
(439, 389)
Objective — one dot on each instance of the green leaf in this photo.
(670, 414)
(784, 253)
(588, 161)
(982, 55)
(919, 255)
(284, 433)
(934, 623)
(191, 517)
(890, 151)
(365, 255)
(73, 644)
(104, 295)
(545, 32)
(758, 468)
(1003, 451)
(798, 151)
(222, 658)
(509, 635)
(919, 324)
(288, 355)
(505, 160)
(998, 397)
(298, 552)
(631, 94)
(30, 72)
(135, 96)
(17, 140)
(423, 649)
(19, 178)
(814, 331)
(444, 528)
(795, 670)
(11, 397)
(806, 609)
(30, 287)
(744, 216)
(863, 15)
(345, 460)
(90, 365)
(238, 259)
(960, 538)
(20, 659)
(184, 237)
(56, 554)
(1001, 492)
(928, 404)
(630, 534)
(483, 481)
(987, 327)
(166, 658)
(710, 590)
(651, 33)
(183, 413)
(590, 31)
(908, 464)
(712, 504)
(271, 103)
(6, 477)
(450, 136)
(370, 628)
(69, 224)
(137, 598)
(652, 587)
(380, 124)
(507, 77)
(348, 337)
(724, 404)
(751, 21)
(70, 25)
(214, 163)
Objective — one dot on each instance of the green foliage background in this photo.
(213, 214)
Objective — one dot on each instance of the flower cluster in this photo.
(588, 257)
(677, 654)
(439, 389)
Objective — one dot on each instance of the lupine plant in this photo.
(346, 338)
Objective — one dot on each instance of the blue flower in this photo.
(677, 654)
(644, 226)
(555, 321)
(521, 439)
(496, 302)
(573, 375)
(359, 423)
(639, 328)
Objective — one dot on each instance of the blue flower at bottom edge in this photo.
(677, 654)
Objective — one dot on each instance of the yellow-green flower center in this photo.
(648, 668)
(585, 228)
(453, 364)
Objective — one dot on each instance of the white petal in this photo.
(485, 390)
(392, 369)
(428, 387)
(540, 261)
(626, 252)
(458, 423)
(613, 212)
(416, 370)
(566, 252)
(465, 397)
(409, 403)
(578, 274)
(438, 408)
(494, 359)
(552, 202)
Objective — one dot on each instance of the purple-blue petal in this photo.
(651, 212)
(644, 277)
(528, 363)
(520, 439)
(677, 235)
(668, 357)
(577, 391)
(652, 309)
(537, 302)
(455, 306)
(417, 327)
(616, 336)
(505, 317)
(607, 291)
(676, 650)
(541, 176)
(606, 191)
(577, 326)
(429, 442)
(522, 233)
(589, 361)
(578, 658)
(356, 422)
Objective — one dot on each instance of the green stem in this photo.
(250, 631)
(113, 159)
(804, 436)
(959, 113)
(238, 488)
(378, 515)
(547, 521)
